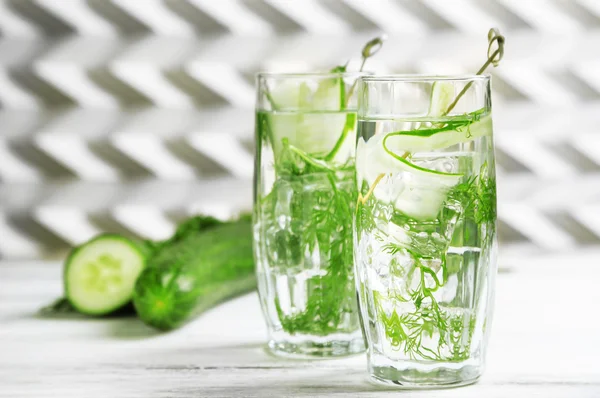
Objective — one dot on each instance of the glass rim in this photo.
(306, 75)
(417, 78)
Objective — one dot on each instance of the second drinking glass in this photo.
(425, 227)
(304, 203)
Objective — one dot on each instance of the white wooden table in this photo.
(545, 342)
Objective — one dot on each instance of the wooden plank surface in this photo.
(545, 342)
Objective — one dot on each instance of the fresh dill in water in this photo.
(427, 320)
(426, 220)
(328, 232)
(307, 216)
(322, 198)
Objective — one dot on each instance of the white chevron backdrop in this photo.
(128, 115)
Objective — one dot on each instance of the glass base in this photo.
(419, 375)
(310, 347)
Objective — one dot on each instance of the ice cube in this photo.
(282, 209)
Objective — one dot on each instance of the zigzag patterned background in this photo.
(128, 115)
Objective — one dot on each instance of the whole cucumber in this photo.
(194, 273)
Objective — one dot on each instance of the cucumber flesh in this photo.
(314, 126)
(442, 95)
(415, 191)
(331, 136)
(313, 133)
(100, 275)
(330, 95)
(290, 95)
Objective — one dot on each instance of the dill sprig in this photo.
(328, 230)
(477, 195)
(412, 331)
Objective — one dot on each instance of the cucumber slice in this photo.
(100, 274)
(290, 95)
(314, 127)
(330, 95)
(438, 138)
(313, 133)
(442, 95)
(343, 149)
(415, 191)
(324, 135)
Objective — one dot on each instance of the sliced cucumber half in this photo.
(100, 274)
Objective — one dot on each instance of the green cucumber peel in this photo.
(317, 163)
(349, 126)
(411, 165)
(72, 303)
(341, 69)
(194, 273)
(369, 50)
(454, 132)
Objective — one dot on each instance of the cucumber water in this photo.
(304, 205)
(425, 230)
(304, 201)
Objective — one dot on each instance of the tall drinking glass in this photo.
(304, 202)
(425, 227)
